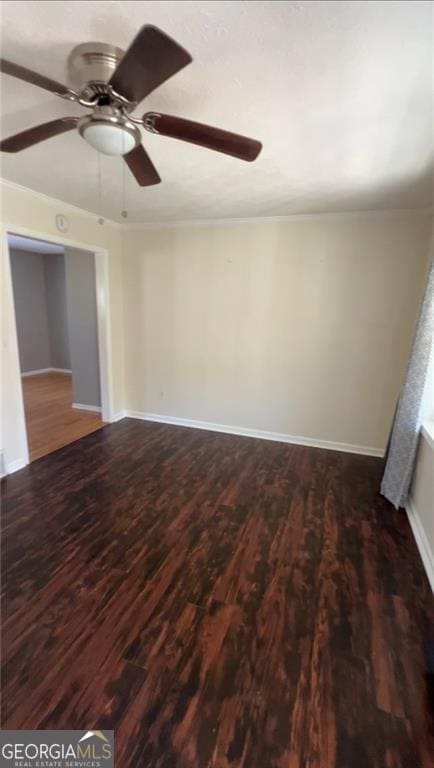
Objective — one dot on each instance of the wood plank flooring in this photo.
(220, 602)
(51, 420)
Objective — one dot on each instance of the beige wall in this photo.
(297, 327)
(23, 208)
(301, 328)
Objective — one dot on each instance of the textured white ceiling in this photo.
(340, 93)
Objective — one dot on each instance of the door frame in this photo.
(15, 432)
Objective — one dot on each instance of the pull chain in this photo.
(100, 220)
(124, 212)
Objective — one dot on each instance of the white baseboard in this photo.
(258, 433)
(83, 407)
(36, 372)
(14, 466)
(427, 556)
(117, 417)
(45, 370)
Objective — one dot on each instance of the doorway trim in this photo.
(15, 432)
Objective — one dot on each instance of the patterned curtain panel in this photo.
(404, 437)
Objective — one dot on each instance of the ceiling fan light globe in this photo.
(109, 139)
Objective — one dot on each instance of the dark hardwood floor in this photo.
(220, 602)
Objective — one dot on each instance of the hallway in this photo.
(51, 420)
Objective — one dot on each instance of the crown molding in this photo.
(332, 215)
(57, 202)
(220, 222)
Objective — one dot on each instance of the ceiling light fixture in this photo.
(109, 131)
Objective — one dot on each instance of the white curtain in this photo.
(404, 437)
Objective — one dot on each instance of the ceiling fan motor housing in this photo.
(90, 67)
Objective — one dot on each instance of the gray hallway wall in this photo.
(28, 281)
(82, 325)
(38, 281)
(54, 265)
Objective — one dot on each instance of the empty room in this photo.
(217, 428)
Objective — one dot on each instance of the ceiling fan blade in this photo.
(151, 59)
(22, 73)
(142, 167)
(203, 135)
(38, 133)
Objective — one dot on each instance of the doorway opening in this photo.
(54, 296)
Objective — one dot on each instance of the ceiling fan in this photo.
(112, 83)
